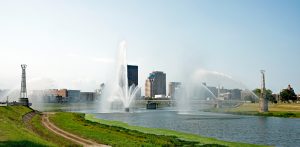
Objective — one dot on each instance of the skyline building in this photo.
(133, 75)
(155, 84)
(173, 87)
(74, 95)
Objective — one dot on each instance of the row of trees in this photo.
(269, 94)
(286, 95)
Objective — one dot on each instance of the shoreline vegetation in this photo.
(275, 110)
(14, 132)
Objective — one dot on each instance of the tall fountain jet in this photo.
(119, 89)
(23, 93)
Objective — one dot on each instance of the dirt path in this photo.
(67, 135)
(27, 117)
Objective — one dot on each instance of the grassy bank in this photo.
(120, 134)
(12, 130)
(276, 110)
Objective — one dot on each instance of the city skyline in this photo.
(73, 44)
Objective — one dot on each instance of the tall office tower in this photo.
(132, 75)
(155, 84)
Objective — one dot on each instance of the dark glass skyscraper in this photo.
(133, 75)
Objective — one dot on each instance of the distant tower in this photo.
(23, 93)
(263, 103)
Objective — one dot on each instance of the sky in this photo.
(73, 43)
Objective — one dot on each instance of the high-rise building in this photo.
(155, 84)
(148, 88)
(133, 75)
(173, 87)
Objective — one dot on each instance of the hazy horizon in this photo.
(73, 44)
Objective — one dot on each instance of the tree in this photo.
(269, 95)
(287, 95)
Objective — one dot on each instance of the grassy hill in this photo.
(13, 132)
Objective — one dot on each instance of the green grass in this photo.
(46, 134)
(120, 134)
(276, 110)
(12, 130)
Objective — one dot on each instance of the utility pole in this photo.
(263, 103)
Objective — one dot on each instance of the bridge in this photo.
(170, 102)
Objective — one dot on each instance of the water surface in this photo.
(283, 132)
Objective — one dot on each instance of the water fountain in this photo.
(118, 94)
(222, 79)
(195, 95)
(191, 95)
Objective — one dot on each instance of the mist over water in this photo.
(194, 92)
(37, 89)
(38, 83)
(117, 95)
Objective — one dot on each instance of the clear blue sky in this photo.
(74, 43)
